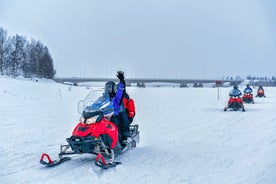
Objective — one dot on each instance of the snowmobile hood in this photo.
(82, 130)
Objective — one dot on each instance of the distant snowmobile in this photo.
(95, 134)
(260, 92)
(248, 96)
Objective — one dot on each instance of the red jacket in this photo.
(129, 106)
(96, 129)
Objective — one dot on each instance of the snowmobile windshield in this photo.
(247, 90)
(102, 104)
(235, 93)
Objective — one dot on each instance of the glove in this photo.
(130, 119)
(120, 75)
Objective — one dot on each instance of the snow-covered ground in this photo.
(186, 137)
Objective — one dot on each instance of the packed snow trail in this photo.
(186, 137)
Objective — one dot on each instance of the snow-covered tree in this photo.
(46, 65)
(3, 39)
(7, 57)
(14, 55)
(20, 57)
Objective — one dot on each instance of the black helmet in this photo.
(110, 88)
(247, 85)
(235, 86)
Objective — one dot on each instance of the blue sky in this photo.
(157, 38)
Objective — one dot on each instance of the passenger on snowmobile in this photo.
(247, 96)
(130, 107)
(126, 116)
(235, 102)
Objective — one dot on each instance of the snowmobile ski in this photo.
(109, 165)
(101, 162)
(51, 162)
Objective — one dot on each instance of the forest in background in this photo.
(21, 57)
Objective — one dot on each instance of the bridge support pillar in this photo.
(183, 85)
(128, 84)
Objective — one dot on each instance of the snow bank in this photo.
(186, 137)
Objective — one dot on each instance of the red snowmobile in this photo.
(235, 103)
(260, 92)
(248, 98)
(95, 134)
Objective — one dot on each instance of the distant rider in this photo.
(248, 89)
(235, 99)
(260, 88)
(260, 92)
(235, 91)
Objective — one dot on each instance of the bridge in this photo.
(182, 82)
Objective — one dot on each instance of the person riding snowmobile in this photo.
(235, 91)
(115, 94)
(248, 89)
(235, 102)
(124, 108)
(247, 96)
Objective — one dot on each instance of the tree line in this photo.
(20, 57)
(265, 78)
(264, 81)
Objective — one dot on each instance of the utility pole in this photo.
(218, 82)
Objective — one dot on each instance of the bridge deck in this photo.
(144, 80)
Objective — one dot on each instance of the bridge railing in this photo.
(76, 80)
